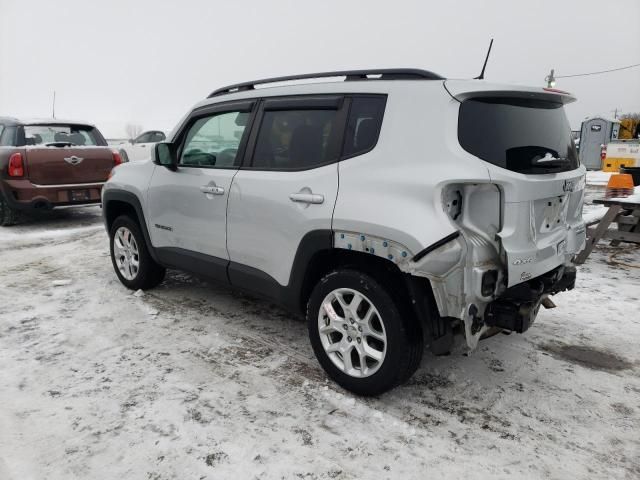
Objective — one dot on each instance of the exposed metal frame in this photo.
(350, 75)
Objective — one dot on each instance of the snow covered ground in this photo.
(598, 177)
(194, 381)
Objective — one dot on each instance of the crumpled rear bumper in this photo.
(517, 307)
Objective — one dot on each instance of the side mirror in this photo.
(165, 154)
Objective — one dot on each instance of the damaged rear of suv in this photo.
(395, 209)
(517, 232)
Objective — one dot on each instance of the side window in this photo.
(297, 139)
(213, 141)
(8, 136)
(1, 129)
(157, 137)
(144, 138)
(363, 127)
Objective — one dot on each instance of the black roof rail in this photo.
(381, 74)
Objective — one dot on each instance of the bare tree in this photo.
(133, 130)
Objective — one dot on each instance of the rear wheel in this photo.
(8, 216)
(363, 337)
(130, 257)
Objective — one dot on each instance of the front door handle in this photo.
(307, 198)
(212, 190)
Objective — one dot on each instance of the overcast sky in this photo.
(149, 61)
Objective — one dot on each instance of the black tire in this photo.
(149, 273)
(403, 336)
(124, 155)
(8, 215)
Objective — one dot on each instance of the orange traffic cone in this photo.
(620, 185)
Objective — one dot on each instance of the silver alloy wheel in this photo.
(125, 252)
(352, 332)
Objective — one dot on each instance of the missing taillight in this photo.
(453, 204)
(16, 165)
(489, 281)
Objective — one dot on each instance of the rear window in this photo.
(524, 136)
(74, 135)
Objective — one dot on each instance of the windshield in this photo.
(76, 135)
(525, 136)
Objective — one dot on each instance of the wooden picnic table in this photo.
(623, 211)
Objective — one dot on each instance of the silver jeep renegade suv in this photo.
(396, 209)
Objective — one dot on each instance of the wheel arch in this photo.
(120, 202)
(416, 292)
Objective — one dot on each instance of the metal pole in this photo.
(54, 105)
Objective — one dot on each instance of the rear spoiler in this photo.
(463, 89)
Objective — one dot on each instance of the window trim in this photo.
(299, 102)
(378, 131)
(242, 106)
(304, 102)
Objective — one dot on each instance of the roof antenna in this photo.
(481, 76)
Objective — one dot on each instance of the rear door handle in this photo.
(307, 197)
(212, 190)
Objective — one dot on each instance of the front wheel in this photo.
(363, 337)
(130, 258)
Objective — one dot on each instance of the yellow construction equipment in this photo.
(621, 153)
(629, 128)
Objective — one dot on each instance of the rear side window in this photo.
(363, 126)
(297, 139)
(524, 136)
(7, 137)
(74, 135)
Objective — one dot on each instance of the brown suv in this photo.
(46, 164)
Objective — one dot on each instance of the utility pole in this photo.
(53, 107)
(550, 79)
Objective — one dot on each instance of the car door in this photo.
(139, 148)
(286, 188)
(187, 207)
(142, 147)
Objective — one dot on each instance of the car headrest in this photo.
(61, 137)
(306, 145)
(77, 138)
